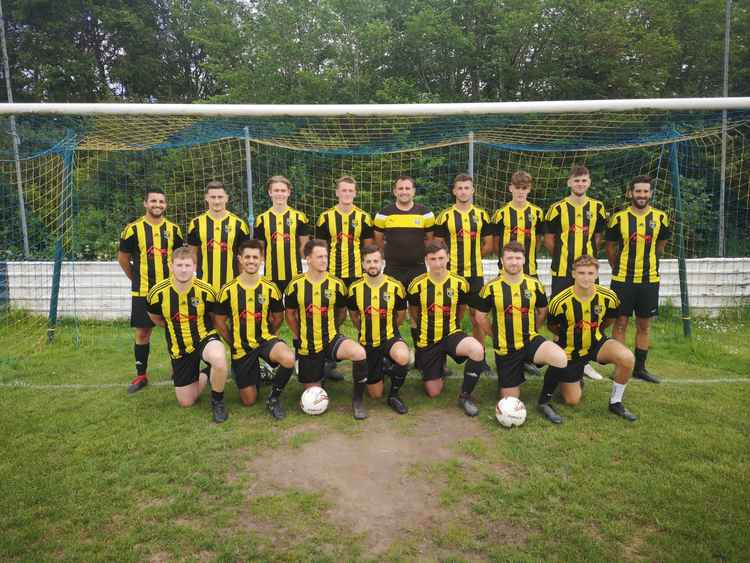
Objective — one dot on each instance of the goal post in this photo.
(84, 168)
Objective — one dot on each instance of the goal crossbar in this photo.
(374, 110)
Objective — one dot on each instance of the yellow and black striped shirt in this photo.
(438, 306)
(463, 232)
(249, 309)
(186, 314)
(316, 304)
(524, 226)
(377, 307)
(637, 236)
(574, 227)
(217, 242)
(404, 233)
(150, 248)
(513, 306)
(580, 320)
(281, 232)
(345, 233)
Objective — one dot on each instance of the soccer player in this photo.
(184, 306)
(311, 300)
(377, 306)
(635, 240)
(520, 221)
(401, 230)
(256, 311)
(347, 229)
(578, 315)
(284, 231)
(434, 300)
(467, 231)
(519, 305)
(574, 226)
(144, 255)
(214, 237)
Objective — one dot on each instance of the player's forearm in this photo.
(549, 243)
(660, 247)
(276, 320)
(400, 317)
(554, 328)
(220, 324)
(380, 240)
(292, 321)
(158, 320)
(340, 316)
(540, 315)
(123, 259)
(484, 322)
(597, 243)
(611, 249)
(354, 316)
(487, 246)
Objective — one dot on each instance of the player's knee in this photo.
(400, 355)
(559, 359)
(359, 354)
(476, 351)
(627, 360)
(248, 399)
(572, 400)
(287, 359)
(185, 402)
(375, 391)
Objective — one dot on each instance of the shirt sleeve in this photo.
(463, 293)
(378, 224)
(552, 221)
(487, 227)
(341, 295)
(351, 300)
(222, 306)
(440, 228)
(277, 304)
(601, 219)
(412, 296)
(258, 231)
(290, 296)
(429, 221)
(321, 230)
(153, 301)
(178, 240)
(613, 306)
(484, 301)
(128, 240)
(665, 233)
(539, 228)
(367, 231)
(613, 231)
(303, 226)
(541, 296)
(194, 237)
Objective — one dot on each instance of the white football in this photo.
(510, 412)
(314, 400)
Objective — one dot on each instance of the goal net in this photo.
(83, 176)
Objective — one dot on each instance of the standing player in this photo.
(183, 305)
(520, 221)
(256, 311)
(635, 239)
(573, 227)
(144, 255)
(214, 237)
(467, 231)
(311, 301)
(578, 315)
(434, 300)
(401, 230)
(284, 231)
(377, 306)
(519, 305)
(346, 228)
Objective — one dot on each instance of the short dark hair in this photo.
(312, 244)
(642, 179)
(513, 246)
(521, 179)
(371, 249)
(215, 185)
(255, 244)
(435, 245)
(153, 191)
(578, 170)
(463, 177)
(404, 177)
(278, 180)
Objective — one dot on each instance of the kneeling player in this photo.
(578, 315)
(312, 300)
(518, 304)
(377, 306)
(434, 301)
(256, 311)
(184, 305)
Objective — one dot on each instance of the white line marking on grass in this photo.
(706, 381)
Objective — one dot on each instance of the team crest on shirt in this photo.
(598, 309)
(226, 229)
(353, 223)
(327, 293)
(529, 216)
(288, 221)
(587, 214)
(449, 293)
(417, 221)
(386, 297)
(194, 301)
(260, 300)
(526, 293)
(652, 224)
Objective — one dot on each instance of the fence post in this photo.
(471, 154)
(68, 154)
(249, 177)
(680, 224)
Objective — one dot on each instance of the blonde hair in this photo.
(585, 260)
(182, 253)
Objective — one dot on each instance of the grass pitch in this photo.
(89, 473)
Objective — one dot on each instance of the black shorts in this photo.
(375, 357)
(281, 284)
(476, 283)
(311, 366)
(641, 298)
(573, 372)
(432, 358)
(510, 366)
(246, 370)
(185, 369)
(139, 313)
(405, 274)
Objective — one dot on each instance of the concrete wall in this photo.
(99, 290)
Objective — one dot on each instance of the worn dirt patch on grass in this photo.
(369, 477)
